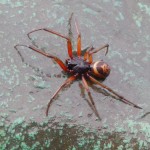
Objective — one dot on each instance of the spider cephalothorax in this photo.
(80, 66)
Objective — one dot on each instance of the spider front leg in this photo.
(68, 81)
(100, 48)
(69, 44)
(57, 60)
(78, 39)
(70, 35)
(113, 92)
(91, 101)
(88, 54)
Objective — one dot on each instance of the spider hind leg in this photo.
(121, 98)
(91, 101)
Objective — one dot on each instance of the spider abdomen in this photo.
(100, 69)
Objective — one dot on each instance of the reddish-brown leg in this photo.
(58, 61)
(90, 52)
(68, 81)
(91, 101)
(70, 35)
(88, 56)
(98, 49)
(69, 44)
(78, 39)
(111, 91)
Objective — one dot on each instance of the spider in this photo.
(79, 66)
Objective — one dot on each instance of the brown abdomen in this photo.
(100, 69)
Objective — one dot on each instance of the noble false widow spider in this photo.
(80, 66)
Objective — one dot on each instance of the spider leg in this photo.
(91, 101)
(78, 39)
(68, 81)
(70, 35)
(90, 58)
(69, 44)
(111, 91)
(98, 49)
(58, 61)
(87, 54)
(91, 51)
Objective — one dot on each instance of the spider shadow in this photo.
(100, 90)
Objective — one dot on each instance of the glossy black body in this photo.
(78, 65)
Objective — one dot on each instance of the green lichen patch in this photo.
(54, 135)
(144, 7)
(138, 20)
